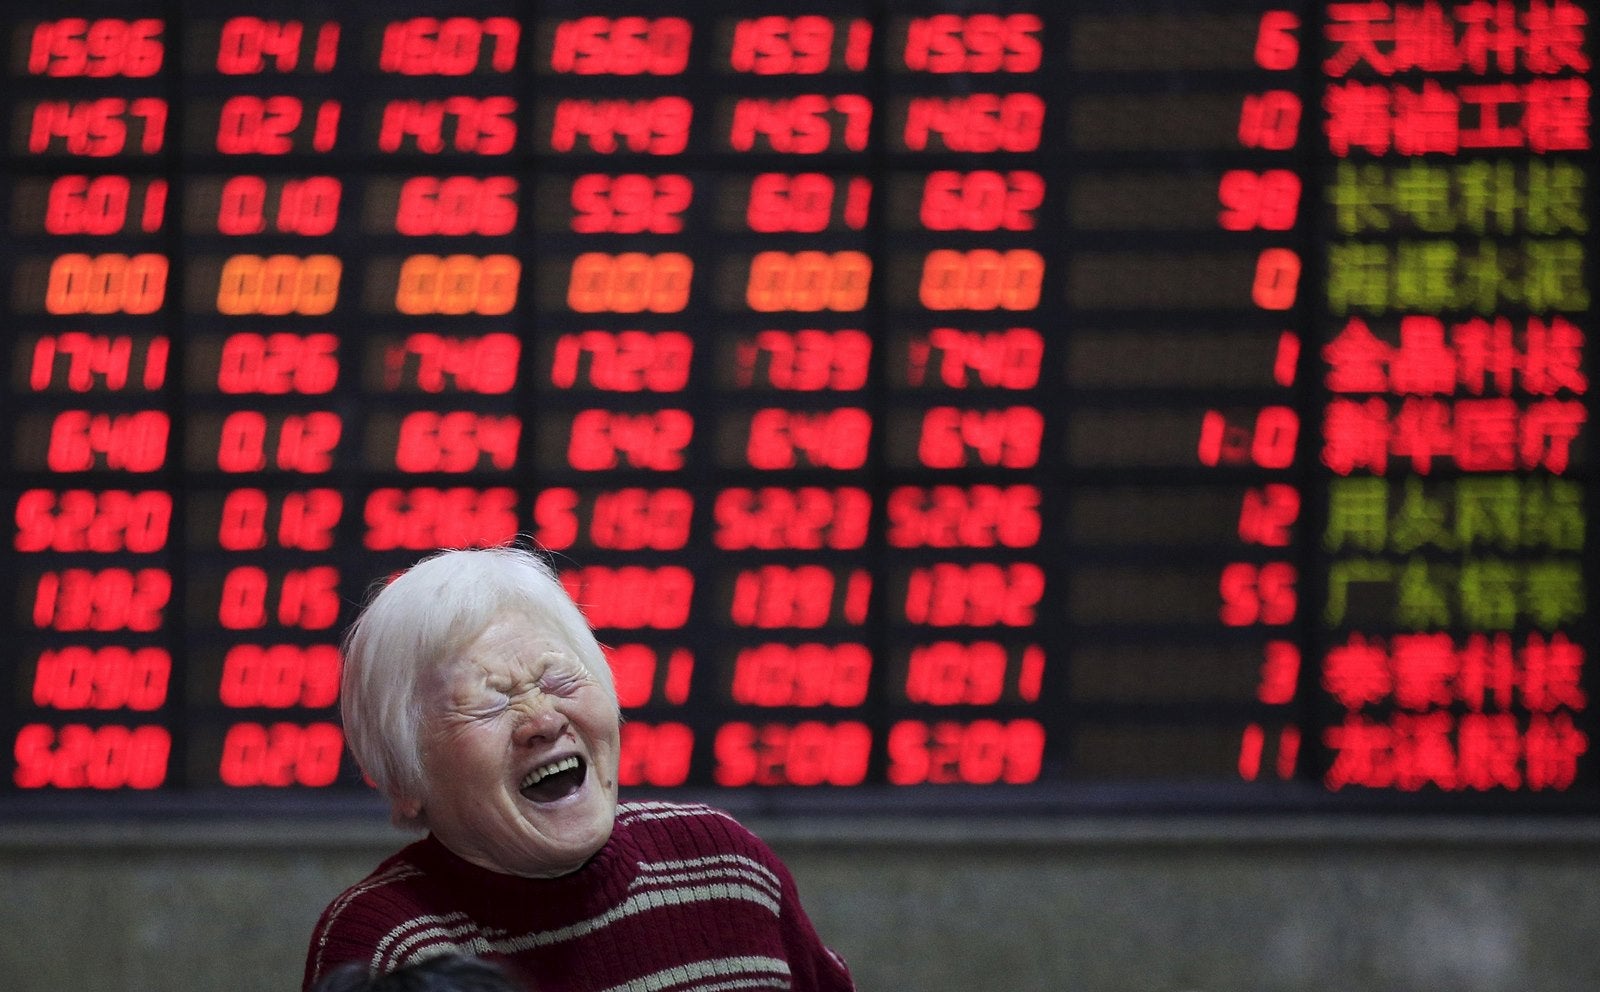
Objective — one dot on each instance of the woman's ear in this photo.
(406, 807)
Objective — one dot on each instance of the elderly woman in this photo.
(477, 700)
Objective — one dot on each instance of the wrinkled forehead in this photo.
(510, 647)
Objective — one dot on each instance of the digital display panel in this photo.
(930, 405)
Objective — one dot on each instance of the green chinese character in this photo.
(1358, 277)
(1553, 593)
(1358, 514)
(1552, 514)
(1553, 277)
(1490, 200)
(1360, 198)
(1357, 572)
(1556, 192)
(1422, 600)
(1488, 592)
(1425, 275)
(1422, 192)
(1488, 511)
(1420, 520)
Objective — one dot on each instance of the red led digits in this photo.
(278, 285)
(974, 43)
(1258, 594)
(983, 200)
(630, 204)
(109, 678)
(303, 520)
(632, 597)
(607, 439)
(982, 122)
(456, 205)
(474, 125)
(623, 361)
(981, 279)
(1008, 359)
(275, 125)
(983, 752)
(249, 442)
(1268, 441)
(85, 363)
(1268, 514)
(802, 675)
(622, 46)
(304, 598)
(277, 364)
(1270, 120)
(106, 284)
(250, 45)
(806, 754)
(806, 124)
(308, 206)
(458, 284)
(783, 439)
(97, 49)
(434, 363)
(1269, 201)
(805, 202)
(797, 46)
(948, 673)
(630, 282)
(427, 517)
(655, 754)
(808, 281)
(658, 126)
(278, 676)
(984, 594)
(802, 596)
(949, 516)
(1276, 45)
(954, 438)
(99, 128)
(457, 441)
(452, 46)
(281, 754)
(807, 518)
(101, 521)
(630, 519)
(81, 441)
(104, 205)
(76, 756)
(107, 599)
(805, 361)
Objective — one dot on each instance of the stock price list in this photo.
(929, 404)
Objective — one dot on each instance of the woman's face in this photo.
(519, 753)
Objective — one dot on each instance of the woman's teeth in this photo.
(567, 764)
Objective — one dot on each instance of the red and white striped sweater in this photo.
(681, 898)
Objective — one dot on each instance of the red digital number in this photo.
(801, 596)
(655, 754)
(954, 438)
(81, 441)
(98, 128)
(984, 594)
(982, 122)
(1259, 594)
(427, 517)
(948, 673)
(804, 361)
(98, 361)
(1276, 46)
(623, 361)
(622, 46)
(79, 599)
(305, 598)
(1268, 513)
(1270, 120)
(979, 516)
(308, 206)
(656, 127)
(103, 47)
(452, 46)
(109, 678)
(802, 124)
(434, 363)
(475, 125)
(302, 520)
(76, 756)
(781, 439)
(632, 597)
(806, 754)
(1267, 200)
(636, 519)
(282, 754)
(458, 441)
(780, 46)
(278, 364)
(101, 521)
(248, 442)
(251, 45)
(1269, 441)
(1008, 359)
(802, 675)
(279, 676)
(976, 43)
(101, 205)
(983, 200)
(456, 205)
(982, 752)
(634, 668)
(804, 202)
(254, 125)
(606, 439)
(630, 204)
(807, 518)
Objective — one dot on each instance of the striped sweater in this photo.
(681, 898)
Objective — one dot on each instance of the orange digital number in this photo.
(981, 279)
(101, 284)
(808, 281)
(458, 284)
(277, 285)
(631, 282)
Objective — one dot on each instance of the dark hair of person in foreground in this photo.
(444, 973)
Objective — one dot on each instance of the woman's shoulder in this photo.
(687, 829)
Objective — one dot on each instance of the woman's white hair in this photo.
(421, 621)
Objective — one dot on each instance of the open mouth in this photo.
(556, 780)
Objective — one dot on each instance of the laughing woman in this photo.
(477, 700)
